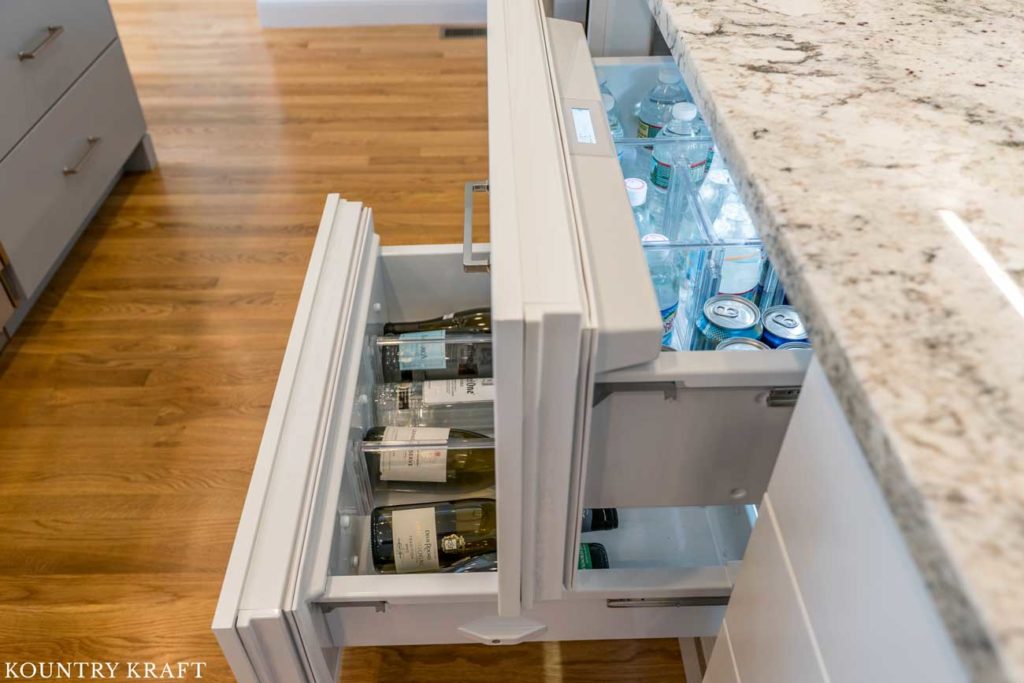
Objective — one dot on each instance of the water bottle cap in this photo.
(608, 101)
(669, 76)
(653, 238)
(636, 190)
(686, 111)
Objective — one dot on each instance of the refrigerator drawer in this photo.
(301, 558)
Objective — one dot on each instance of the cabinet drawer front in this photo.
(769, 635)
(47, 45)
(838, 531)
(52, 180)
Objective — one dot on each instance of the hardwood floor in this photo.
(132, 400)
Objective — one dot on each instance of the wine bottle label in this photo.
(470, 390)
(429, 355)
(416, 464)
(415, 540)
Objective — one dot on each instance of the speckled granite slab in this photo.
(849, 126)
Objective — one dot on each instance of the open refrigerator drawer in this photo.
(592, 406)
(683, 441)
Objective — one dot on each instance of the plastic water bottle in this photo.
(715, 191)
(636, 191)
(667, 156)
(666, 275)
(613, 116)
(741, 265)
(655, 109)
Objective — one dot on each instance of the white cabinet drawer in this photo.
(769, 636)
(46, 44)
(838, 531)
(300, 568)
(54, 177)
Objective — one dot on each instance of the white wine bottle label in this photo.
(414, 534)
(428, 355)
(470, 390)
(415, 464)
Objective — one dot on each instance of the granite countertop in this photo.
(850, 127)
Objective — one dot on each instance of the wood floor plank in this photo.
(133, 398)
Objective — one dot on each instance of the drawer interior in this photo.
(410, 283)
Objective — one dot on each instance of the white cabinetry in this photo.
(828, 590)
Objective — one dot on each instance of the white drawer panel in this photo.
(771, 640)
(43, 204)
(722, 667)
(881, 624)
(65, 36)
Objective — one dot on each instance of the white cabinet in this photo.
(589, 410)
(828, 590)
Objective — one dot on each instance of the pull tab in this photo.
(784, 320)
(726, 311)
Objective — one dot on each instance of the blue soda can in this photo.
(782, 325)
(726, 316)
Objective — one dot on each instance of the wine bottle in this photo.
(593, 556)
(600, 519)
(432, 355)
(430, 469)
(488, 562)
(468, 403)
(406, 539)
(472, 320)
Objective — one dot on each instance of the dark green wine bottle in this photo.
(433, 355)
(429, 469)
(472, 320)
(406, 539)
(452, 346)
(600, 519)
(488, 562)
(593, 556)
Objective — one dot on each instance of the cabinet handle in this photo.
(92, 141)
(470, 264)
(52, 33)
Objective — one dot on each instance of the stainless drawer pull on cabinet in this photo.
(52, 33)
(471, 264)
(93, 141)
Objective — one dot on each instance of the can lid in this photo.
(731, 312)
(687, 111)
(636, 191)
(741, 344)
(784, 322)
(669, 76)
(608, 100)
(790, 346)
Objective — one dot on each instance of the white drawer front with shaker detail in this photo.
(51, 181)
(45, 45)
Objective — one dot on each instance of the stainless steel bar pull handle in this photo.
(92, 141)
(52, 33)
(470, 263)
